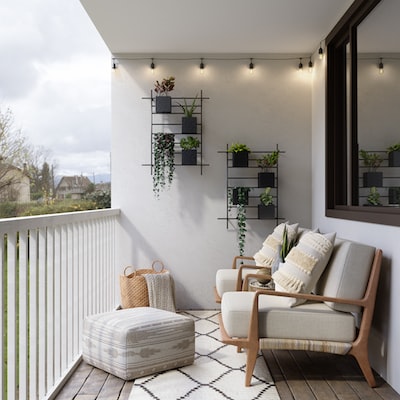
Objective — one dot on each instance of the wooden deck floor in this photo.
(298, 375)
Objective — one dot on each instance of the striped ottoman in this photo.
(135, 342)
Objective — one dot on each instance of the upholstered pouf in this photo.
(135, 342)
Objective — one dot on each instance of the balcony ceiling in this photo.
(214, 26)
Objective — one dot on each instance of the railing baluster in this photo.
(11, 312)
(23, 315)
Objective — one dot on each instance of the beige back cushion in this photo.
(347, 273)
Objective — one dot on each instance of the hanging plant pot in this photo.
(189, 125)
(163, 104)
(394, 195)
(189, 157)
(266, 212)
(266, 179)
(240, 159)
(394, 159)
(240, 196)
(371, 179)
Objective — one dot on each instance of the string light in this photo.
(380, 66)
(152, 66)
(114, 63)
(310, 65)
(251, 66)
(300, 65)
(320, 52)
(201, 66)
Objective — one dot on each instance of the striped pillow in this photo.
(304, 264)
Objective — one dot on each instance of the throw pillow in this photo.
(269, 253)
(304, 264)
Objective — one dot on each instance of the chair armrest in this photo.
(240, 258)
(312, 297)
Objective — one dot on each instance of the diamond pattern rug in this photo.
(217, 373)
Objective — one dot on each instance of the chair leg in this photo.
(252, 353)
(363, 362)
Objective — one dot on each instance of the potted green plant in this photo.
(240, 155)
(394, 155)
(266, 209)
(239, 196)
(189, 122)
(163, 100)
(189, 147)
(265, 178)
(164, 161)
(373, 198)
(372, 161)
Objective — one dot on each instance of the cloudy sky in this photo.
(55, 77)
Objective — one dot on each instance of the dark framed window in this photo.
(345, 197)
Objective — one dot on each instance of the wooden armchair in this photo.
(326, 322)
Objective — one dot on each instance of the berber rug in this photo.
(217, 373)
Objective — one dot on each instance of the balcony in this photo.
(56, 269)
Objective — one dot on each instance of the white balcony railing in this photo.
(56, 269)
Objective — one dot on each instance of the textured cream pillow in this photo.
(268, 254)
(304, 264)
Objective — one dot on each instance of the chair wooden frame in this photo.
(359, 347)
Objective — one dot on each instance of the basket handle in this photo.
(129, 266)
(154, 263)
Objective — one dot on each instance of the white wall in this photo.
(271, 106)
(384, 349)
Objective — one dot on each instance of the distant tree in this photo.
(15, 150)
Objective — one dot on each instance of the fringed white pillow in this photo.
(269, 253)
(304, 264)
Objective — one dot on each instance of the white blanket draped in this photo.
(161, 291)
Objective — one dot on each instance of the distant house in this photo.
(72, 187)
(14, 184)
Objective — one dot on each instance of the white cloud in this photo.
(55, 76)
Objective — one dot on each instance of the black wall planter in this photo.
(236, 197)
(163, 104)
(189, 157)
(394, 159)
(240, 159)
(189, 125)
(266, 179)
(266, 212)
(371, 179)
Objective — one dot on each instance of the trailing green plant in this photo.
(164, 161)
(189, 143)
(268, 160)
(394, 147)
(373, 198)
(266, 197)
(240, 215)
(166, 86)
(371, 160)
(188, 110)
(238, 148)
(287, 244)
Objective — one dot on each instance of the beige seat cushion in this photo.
(277, 319)
(225, 279)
